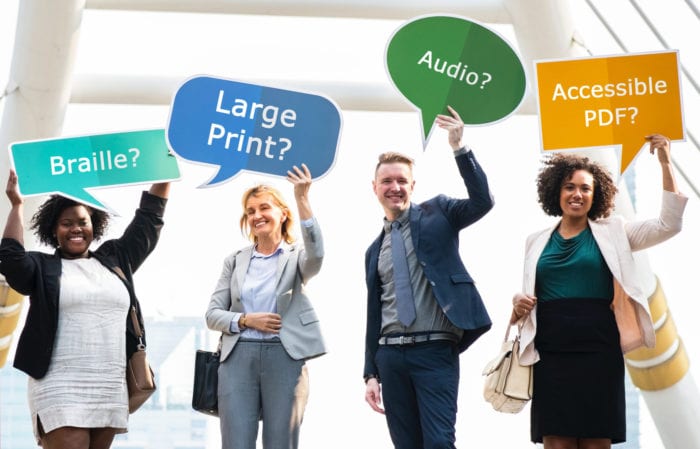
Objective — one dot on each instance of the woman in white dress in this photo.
(76, 338)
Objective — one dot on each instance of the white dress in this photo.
(85, 385)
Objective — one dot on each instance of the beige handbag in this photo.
(139, 376)
(508, 385)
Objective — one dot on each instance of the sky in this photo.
(202, 224)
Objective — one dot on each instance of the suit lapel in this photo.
(373, 260)
(241, 264)
(414, 217)
(283, 259)
(606, 244)
(534, 251)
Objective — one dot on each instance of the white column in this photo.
(40, 78)
(38, 91)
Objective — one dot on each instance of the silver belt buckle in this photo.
(407, 339)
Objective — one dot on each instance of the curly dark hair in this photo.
(45, 219)
(559, 168)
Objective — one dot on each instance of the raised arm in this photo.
(160, 189)
(301, 178)
(311, 257)
(662, 146)
(455, 127)
(14, 228)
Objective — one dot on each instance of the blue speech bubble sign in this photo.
(239, 126)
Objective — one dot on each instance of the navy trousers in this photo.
(420, 384)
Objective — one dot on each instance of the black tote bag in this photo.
(206, 381)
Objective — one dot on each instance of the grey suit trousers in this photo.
(260, 382)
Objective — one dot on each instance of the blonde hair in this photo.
(257, 191)
(391, 157)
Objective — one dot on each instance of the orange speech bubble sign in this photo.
(609, 101)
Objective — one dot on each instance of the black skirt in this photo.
(579, 381)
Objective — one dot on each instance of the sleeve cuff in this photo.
(367, 377)
(233, 327)
(152, 202)
(464, 150)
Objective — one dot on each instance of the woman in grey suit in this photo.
(268, 324)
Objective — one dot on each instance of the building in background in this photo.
(166, 421)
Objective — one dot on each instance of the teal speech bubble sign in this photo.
(69, 166)
(439, 60)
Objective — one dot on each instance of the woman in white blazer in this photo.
(269, 327)
(583, 302)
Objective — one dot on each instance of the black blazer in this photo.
(435, 226)
(37, 275)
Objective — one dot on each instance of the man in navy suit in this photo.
(412, 346)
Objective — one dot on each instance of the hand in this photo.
(662, 144)
(301, 178)
(264, 322)
(373, 395)
(522, 305)
(12, 189)
(454, 126)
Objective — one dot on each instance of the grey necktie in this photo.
(402, 282)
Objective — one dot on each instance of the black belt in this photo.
(411, 339)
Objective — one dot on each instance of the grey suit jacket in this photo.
(301, 333)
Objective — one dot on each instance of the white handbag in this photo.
(508, 385)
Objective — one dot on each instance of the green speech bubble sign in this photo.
(439, 60)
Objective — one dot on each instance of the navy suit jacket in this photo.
(435, 226)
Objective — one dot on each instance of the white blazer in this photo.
(300, 333)
(617, 240)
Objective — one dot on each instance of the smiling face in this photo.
(393, 185)
(74, 232)
(264, 217)
(576, 195)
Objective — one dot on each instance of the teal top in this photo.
(573, 268)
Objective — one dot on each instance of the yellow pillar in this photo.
(667, 363)
(10, 310)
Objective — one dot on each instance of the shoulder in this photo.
(537, 235)
(612, 221)
(375, 245)
(440, 201)
(233, 255)
(293, 247)
(230, 259)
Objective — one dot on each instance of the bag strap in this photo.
(137, 328)
(519, 324)
(221, 342)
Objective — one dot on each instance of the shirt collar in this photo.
(257, 255)
(403, 219)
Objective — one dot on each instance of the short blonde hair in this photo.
(391, 157)
(278, 199)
